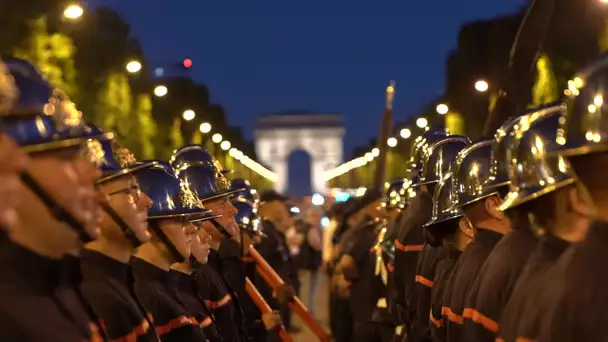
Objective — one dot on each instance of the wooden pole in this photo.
(386, 127)
(259, 301)
(296, 305)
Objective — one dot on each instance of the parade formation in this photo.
(494, 239)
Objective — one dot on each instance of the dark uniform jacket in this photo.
(218, 295)
(521, 315)
(494, 284)
(37, 303)
(409, 242)
(275, 251)
(463, 277)
(184, 290)
(574, 309)
(443, 273)
(252, 314)
(428, 260)
(108, 285)
(173, 321)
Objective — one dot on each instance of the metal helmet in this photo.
(247, 218)
(440, 157)
(471, 171)
(420, 145)
(245, 190)
(498, 164)
(444, 199)
(532, 171)
(584, 129)
(394, 194)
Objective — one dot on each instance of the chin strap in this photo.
(165, 240)
(58, 212)
(124, 227)
(221, 228)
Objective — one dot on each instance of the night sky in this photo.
(262, 56)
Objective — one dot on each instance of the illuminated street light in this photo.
(442, 109)
(368, 156)
(217, 138)
(225, 145)
(188, 114)
(392, 142)
(161, 91)
(481, 86)
(405, 133)
(73, 12)
(133, 67)
(375, 152)
(205, 127)
(422, 122)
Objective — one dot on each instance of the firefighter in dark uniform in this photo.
(198, 168)
(503, 266)
(451, 229)
(546, 186)
(574, 307)
(357, 265)
(260, 326)
(276, 220)
(410, 239)
(107, 278)
(55, 213)
(436, 165)
(184, 289)
(169, 218)
(480, 188)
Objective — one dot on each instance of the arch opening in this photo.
(299, 173)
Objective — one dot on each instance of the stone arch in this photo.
(320, 135)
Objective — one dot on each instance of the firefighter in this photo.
(55, 212)
(170, 217)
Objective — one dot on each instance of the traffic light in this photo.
(187, 63)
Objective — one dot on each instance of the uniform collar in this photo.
(145, 271)
(554, 244)
(26, 268)
(181, 280)
(98, 266)
(485, 236)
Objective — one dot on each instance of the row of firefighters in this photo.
(499, 239)
(98, 246)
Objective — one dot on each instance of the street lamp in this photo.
(481, 86)
(73, 12)
(216, 138)
(188, 114)
(442, 109)
(160, 91)
(225, 145)
(392, 142)
(133, 67)
(422, 122)
(368, 156)
(205, 127)
(405, 133)
(375, 152)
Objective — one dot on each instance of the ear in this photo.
(580, 201)
(466, 227)
(491, 204)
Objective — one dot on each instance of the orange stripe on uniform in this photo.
(524, 339)
(446, 311)
(437, 321)
(214, 305)
(391, 267)
(422, 280)
(483, 320)
(408, 248)
(141, 329)
(206, 322)
(175, 323)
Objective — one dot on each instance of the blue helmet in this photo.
(170, 197)
(40, 117)
(245, 190)
(247, 217)
(202, 173)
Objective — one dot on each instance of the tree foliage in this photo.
(545, 88)
(145, 127)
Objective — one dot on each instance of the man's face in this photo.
(12, 161)
(277, 212)
(201, 246)
(127, 200)
(222, 206)
(181, 233)
(69, 180)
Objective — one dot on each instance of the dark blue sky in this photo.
(262, 56)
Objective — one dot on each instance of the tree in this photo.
(545, 89)
(145, 128)
(177, 140)
(114, 106)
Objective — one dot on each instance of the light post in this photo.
(133, 67)
(73, 12)
(481, 86)
(160, 91)
(188, 115)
